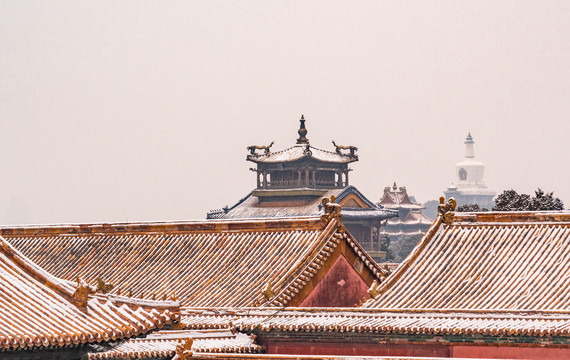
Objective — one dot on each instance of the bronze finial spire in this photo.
(302, 132)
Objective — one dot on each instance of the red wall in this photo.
(425, 349)
(510, 352)
(349, 348)
(340, 287)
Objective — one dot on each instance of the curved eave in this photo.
(366, 214)
(297, 153)
(261, 160)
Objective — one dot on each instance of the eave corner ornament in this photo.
(352, 150)
(374, 290)
(332, 210)
(446, 209)
(266, 149)
(184, 349)
(103, 287)
(82, 291)
(267, 290)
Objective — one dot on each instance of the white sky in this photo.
(142, 110)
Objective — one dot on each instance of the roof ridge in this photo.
(327, 238)
(400, 270)
(202, 226)
(282, 151)
(319, 311)
(512, 216)
(330, 152)
(36, 272)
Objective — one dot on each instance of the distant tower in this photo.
(469, 186)
(292, 182)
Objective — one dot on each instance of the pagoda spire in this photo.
(302, 132)
(469, 151)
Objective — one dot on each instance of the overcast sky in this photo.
(142, 110)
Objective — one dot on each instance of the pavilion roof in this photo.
(414, 217)
(395, 197)
(38, 310)
(249, 207)
(305, 151)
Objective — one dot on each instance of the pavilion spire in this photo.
(302, 132)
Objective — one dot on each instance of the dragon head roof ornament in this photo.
(446, 209)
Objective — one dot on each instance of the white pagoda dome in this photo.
(469, 186)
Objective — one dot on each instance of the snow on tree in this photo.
(510, 200)
(545, 201)
(470, 208)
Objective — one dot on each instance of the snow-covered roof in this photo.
(38, 310)
(304, 151)
(395, 197)
(249, 207)
(166, 344)
(490, 261)
(205, 263)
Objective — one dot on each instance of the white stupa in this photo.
(469, 186)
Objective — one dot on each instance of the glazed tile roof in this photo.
(38, 310)
(413, 218)
(208, 263)
(484, 274)
(395, 198)
(316, 357)
(344, 320)
(486, 261)
(163, 344)
(248, 207)
(299, 152)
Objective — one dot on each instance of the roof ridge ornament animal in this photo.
(103, 287)
(184, 349)
(350, 148)
(374, 290)
(82, 291)
(332, 210)
(267, 290)
(446, 209)
(252, 149)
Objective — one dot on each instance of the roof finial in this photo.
(395, 187)
(302, 132)
(446, 209)
(469, 151)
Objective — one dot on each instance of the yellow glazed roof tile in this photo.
(38, 310)
(205, 264)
